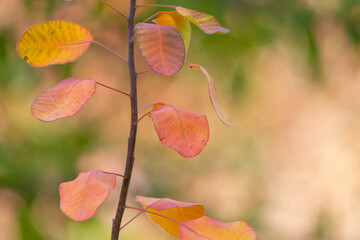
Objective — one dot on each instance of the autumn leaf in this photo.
(222, 114)
(174, 19)
(162, 47)
(178, 211)
(63, 100)
(184, 131)
(79, 199)
(207, 23)
(207, 228)
(53, 42)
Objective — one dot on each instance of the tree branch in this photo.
(133, 127)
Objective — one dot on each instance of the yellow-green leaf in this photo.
(207, 23)
(53, 42)
(174, 19)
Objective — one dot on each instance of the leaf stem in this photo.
(132, 219)
(151, 17)
(145, 71)
(180, 223)
(144, 210)
(116, 90)
(155, 5)
(130, 159)
(111, 51)
(111, 6)
(152, 104)
(119, 175)
(143, 116)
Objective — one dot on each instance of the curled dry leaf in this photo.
(53, 42)
(79, 199)
(63, 100)
(179, 211)
(207, 228)
(222, 114)
(162, 47)
(207, 23)
(174, 19)
(184, 131)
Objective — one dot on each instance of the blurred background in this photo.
(288, 74)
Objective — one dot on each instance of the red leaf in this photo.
(178, 211)
(80, 199)
(63, 100)
(184, 131)
(162, 47)
(222, 114)
(207, 228)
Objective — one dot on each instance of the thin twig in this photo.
(111, 6)
(116, 90)
(155, 5)
(111, 51)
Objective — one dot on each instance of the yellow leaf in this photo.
(207, 23)
(53, 42)
(178, 211)
(174, 19)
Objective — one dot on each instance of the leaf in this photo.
(210, 229)
(63, 100)
(53, 42)
(184, 131)
(223, 115)
(207, 23)
(162, 47)
(179, 211)
(174, 19)
(79, 199)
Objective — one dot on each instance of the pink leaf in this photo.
(63, 100)
(80, 199)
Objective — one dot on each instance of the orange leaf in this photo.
(184, 131)
(63, 100)
(210, 229)
(162, 47)
(79, 199)
(207, 23)
(53, 42)
(174, 19)
(179, 211)
(223, 115)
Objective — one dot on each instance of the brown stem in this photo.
(133, 127)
